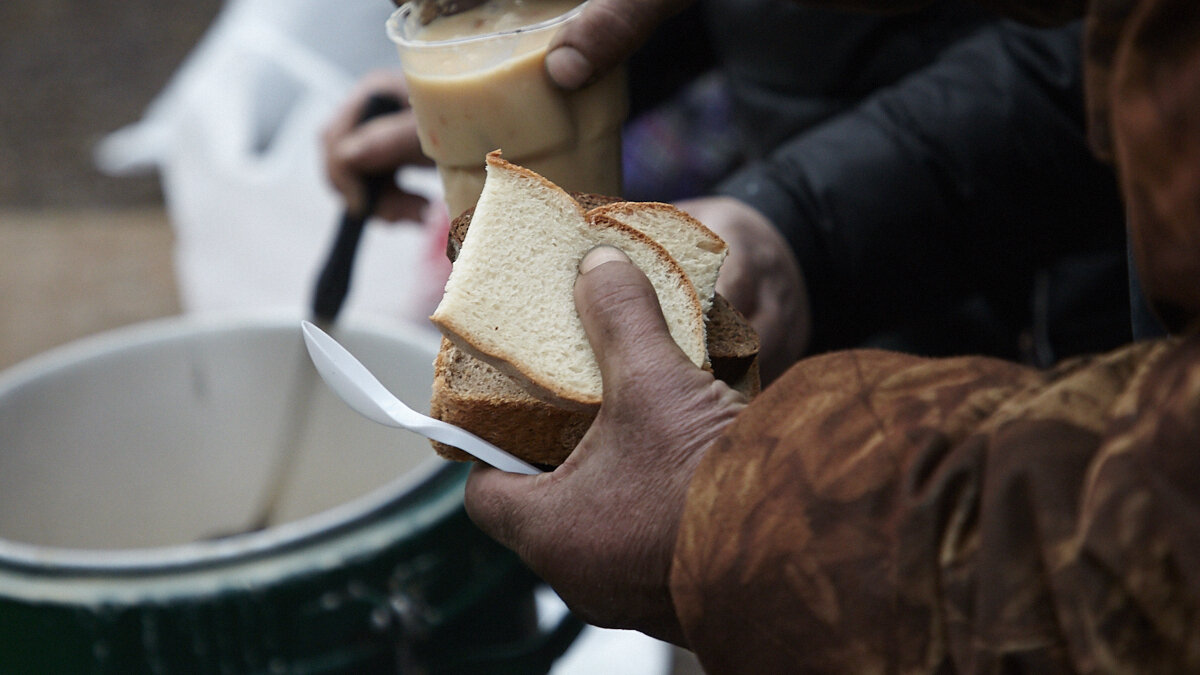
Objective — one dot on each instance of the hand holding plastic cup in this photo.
(477, 83)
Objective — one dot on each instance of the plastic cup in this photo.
(475, 94)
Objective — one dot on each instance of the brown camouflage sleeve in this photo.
(876, 512)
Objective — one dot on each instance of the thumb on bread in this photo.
(622, 318)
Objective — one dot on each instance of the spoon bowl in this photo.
(359, 389)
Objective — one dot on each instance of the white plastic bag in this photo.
(236, 138)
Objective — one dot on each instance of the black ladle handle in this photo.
(333, 283)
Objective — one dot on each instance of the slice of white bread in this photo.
(509, 299)
(697, 249)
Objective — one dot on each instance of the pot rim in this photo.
(25, 558)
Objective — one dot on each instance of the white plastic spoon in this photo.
(354, 384)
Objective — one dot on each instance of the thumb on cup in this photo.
(604, 35)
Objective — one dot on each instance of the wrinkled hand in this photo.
(601, 528)
(604, 35)
(383, 144)
(761, 278)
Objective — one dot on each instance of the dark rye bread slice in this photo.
(472, 394)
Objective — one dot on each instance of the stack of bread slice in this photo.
(515, 366)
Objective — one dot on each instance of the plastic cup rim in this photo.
(398, 17)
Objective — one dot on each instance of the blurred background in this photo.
(80, 251)
(205, 117)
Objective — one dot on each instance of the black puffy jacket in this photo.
(962, 196)
(931, 173)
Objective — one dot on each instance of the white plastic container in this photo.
(236, 139)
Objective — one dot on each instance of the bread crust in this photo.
(617, 209)
(502, 413)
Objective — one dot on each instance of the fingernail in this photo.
(600, 255)
(569, 68)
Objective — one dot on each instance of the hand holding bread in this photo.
(601, 529)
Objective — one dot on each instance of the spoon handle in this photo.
(468, 442)
(359, 389)
(333, 282)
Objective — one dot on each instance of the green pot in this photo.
(126, 459)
